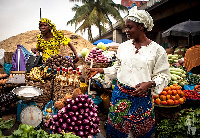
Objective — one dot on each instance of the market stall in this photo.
(68, 103)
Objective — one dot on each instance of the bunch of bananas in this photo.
(39, 73)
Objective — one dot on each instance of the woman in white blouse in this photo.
(142, 70)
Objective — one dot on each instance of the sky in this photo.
(20, 16)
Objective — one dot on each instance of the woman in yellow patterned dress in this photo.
(50, 40)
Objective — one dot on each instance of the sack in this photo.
(33, 61)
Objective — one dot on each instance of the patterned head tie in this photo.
(45, 20)
(141, 16)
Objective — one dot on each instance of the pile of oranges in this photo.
(171, 95)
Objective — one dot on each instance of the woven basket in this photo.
(47, 88)
(60, 91)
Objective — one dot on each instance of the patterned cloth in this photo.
(130, 115)
(52, 46)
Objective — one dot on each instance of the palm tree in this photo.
(97, 13)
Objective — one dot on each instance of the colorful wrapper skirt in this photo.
(130, 116)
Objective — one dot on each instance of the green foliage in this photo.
(181, 127)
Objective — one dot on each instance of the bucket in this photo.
(106, 101)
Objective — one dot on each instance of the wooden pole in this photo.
(40, 14)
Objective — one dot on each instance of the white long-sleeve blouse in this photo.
(131, 68)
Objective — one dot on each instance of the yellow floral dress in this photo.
(52, 46)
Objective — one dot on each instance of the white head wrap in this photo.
(141, 16)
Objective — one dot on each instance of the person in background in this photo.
(50, 40)
(141, 70)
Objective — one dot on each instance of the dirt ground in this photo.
(29, 40)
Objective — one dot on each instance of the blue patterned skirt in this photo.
(128, 114)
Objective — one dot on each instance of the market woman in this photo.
(50, 40)
(142, 70)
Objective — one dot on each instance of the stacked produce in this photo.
(178, 76)
(171, 95)
(3, 80)
(193, 78)
(97, 56)
(197, 88)
(79, 115)
(190, 94)
(174, 58)
(58, 61)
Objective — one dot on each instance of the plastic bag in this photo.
(48, 111)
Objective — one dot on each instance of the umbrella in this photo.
(112, 44)
(105, 41)
(183, 29)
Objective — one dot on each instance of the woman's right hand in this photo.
(93, 71)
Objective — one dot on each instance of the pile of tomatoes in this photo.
(190, 94)
(171, 95)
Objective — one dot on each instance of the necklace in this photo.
(138, 48)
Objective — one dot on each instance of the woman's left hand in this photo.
(142, 88)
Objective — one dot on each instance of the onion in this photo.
(73, 123)
(72, 102)
(94, 110)
(63, 110)
(80, 133)
(59, 130)
(59, 115)
(47, 124)
(91, 106)
(76, 128)
(57, 123)
(68, 101)
(82, 100)
(88, 100)
(68, 120)
(95, 126)
(51, 120)
(66, 131)
(91, 113)
(70, 128)
(61, 120)
(55, 117)
(68, 106)
(85, 121)
(81, 127)
(78, 122)
(80, 117)
(87, 127)
(89, 117)
(91, 123)
(74, 118)
(92, 131)
(54, 127)
(85, 105)
(74, 132)
(85, 115)
(86, 133)
(97, 120)
(64, 125)
(79, 96)
(71, 114)
(65, 116)
(76, 100)
(76, 113)
(51, 127)
(85, 96)
(74, 108)
(81, 111)
(95, 114)
(80, 105)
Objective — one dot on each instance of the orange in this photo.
(177, 96)
(176, 102)
(168, 97)
(163, 102)
(170, 102)
(163, 97)
(181, 100)
(173, 97)
(155, 96)
(157, 101)
(169, 92)
(174, 92)
(163, 93)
